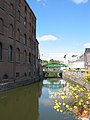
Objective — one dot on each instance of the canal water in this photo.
(33, 102)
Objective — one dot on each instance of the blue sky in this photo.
(63, 26)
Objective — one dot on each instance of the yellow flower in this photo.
(64, 104)
(61, 110)
(80, 103)
(67, 106)
(87, 102)
(70, 109)
(75, 107)
(57, 109)
(59, 90)
(59, 103)
(63, 97)
(76, 96)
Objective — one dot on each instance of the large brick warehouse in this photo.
(18, 43)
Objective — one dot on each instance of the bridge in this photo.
(53, 70)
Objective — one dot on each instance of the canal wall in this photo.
(18, 83)
(76, 77)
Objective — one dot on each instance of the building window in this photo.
(29, 57)
(5, 76)
(29, 42)
(29, 73)
(0, 51)
(18, 34)
(18, 55)
(17, 74)
(25, 9)
(10, 53)
(11, 8)
(25, 74)
(25, 39)
(1, 25)
(25, 22)
(11, 30)
(25, 56)
(18, 15)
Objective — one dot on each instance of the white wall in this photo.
(79, 64)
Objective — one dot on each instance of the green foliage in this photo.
(53, 61)
(44, 62)
(52, 75)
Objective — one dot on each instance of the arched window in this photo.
(11, 8)
(25, 39)
(18, 15)
(25, 56)
(29, 57)
(29, 42)
(25, 9)
(0, 51)
(11, 30)
(5, 76)
(18, 34)
(1, 25)
(10, 53)
(18, 55)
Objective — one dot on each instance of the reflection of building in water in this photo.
(62, 90)
(62, 81)
(21, 103)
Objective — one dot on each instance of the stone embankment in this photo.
(77, 77)
(18, 83)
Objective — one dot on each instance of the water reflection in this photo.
(59, 99)
(21, 103)
(46, 101)
(36, 101)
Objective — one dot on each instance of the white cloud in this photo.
(87, 45)
(45, 102)
(80, 1)
(47, 38)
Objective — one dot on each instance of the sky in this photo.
(63, 26)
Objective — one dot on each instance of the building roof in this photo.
(87, 50)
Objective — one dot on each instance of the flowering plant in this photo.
(71, 98)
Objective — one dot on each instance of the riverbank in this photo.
(76, 77)
(18, 83)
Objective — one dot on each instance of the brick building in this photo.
(18, 43)
(87, 58)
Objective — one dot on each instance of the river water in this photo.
(32, 102)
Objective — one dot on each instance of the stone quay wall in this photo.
(77, 77)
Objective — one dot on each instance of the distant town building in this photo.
(79, 63)
(18, 43)
(87, 58)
